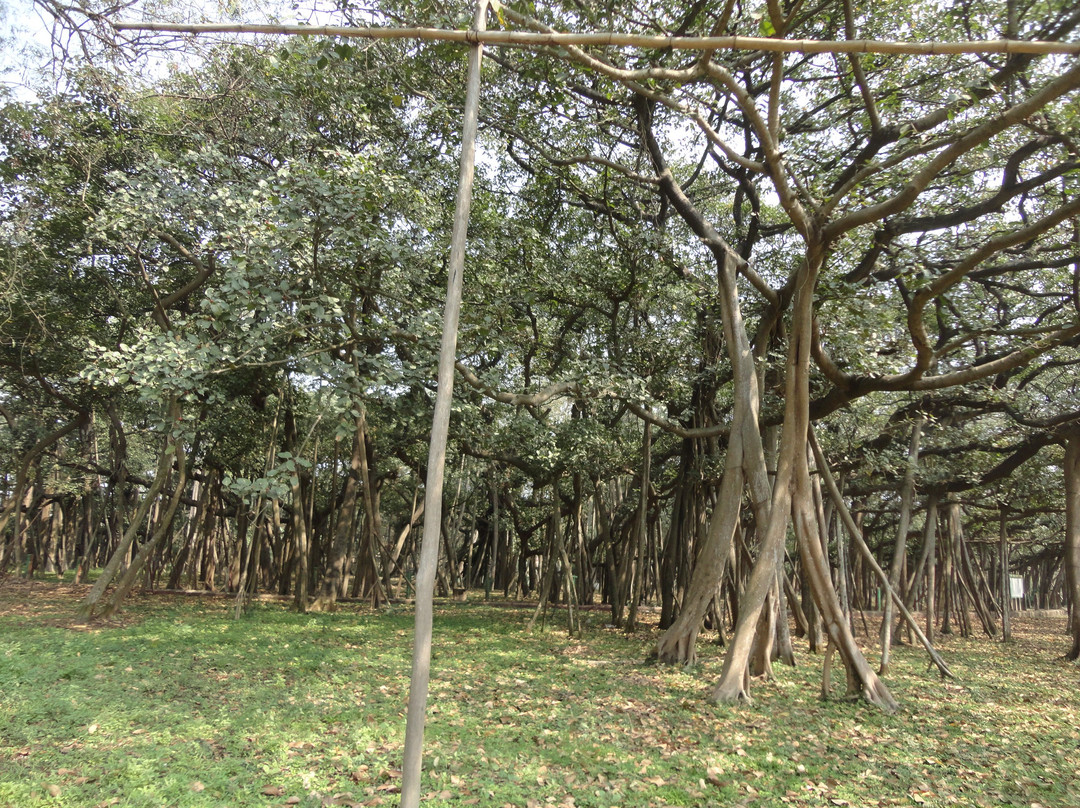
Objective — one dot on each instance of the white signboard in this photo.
(1016, 587)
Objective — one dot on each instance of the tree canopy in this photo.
(222, 277)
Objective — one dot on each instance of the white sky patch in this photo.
(25, 36)
(30, 63)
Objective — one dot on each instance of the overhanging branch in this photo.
(612, 39)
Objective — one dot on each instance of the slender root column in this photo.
(860, 543)
(862, 681)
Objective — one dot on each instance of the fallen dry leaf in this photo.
(341, 798)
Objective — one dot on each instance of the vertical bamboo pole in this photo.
(429, 548)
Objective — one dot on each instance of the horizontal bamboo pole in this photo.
(533, 39)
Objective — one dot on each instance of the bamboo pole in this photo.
(429, 547)
(612, 39)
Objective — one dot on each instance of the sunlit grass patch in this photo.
(181, 705)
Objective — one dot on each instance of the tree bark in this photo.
(333, 579)
(745, 462)
(640, 562)
(1003, 565)
(856, 536)
(930, 537)
(907, 491)
(969, 583)
(22, 474)
(429, 552)
(734, 679)
(862, 682)
(89, 605)
(1072, 539)
(301, 544)
(164, 526)
(493, 545)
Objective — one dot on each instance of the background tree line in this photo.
(686, 271)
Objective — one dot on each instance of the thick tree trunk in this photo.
(1072, 540)
(792, 492)
(810, 612)
(784, 651)
(761, 653)
(745, 462)
(745, 458)
(734, 679)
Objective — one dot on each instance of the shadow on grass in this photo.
(179, 705)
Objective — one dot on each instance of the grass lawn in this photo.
(176, 704)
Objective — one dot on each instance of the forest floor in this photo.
(177, 704)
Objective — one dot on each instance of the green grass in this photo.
(178, 705)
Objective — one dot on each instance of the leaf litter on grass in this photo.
(311, 708)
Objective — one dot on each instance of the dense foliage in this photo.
(222, 282)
